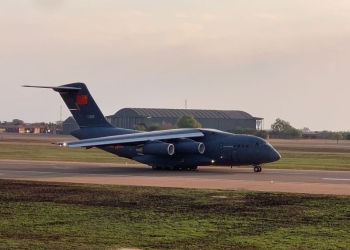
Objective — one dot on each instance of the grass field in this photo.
(296, 154)
(73, 216)
(43, 152)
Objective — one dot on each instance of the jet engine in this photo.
(156, 148)
(189, 147)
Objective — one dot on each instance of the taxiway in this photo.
(295, 181)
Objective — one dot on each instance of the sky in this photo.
(272, 58)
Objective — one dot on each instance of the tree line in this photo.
(279, 129)
(283, 129)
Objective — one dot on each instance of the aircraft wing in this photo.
(135, 138)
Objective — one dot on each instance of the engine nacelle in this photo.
(190, 147)
(156, 148)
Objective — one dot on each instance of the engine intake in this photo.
(156, 148)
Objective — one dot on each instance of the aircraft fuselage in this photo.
(221, 148)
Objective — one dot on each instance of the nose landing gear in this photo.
(257, 168)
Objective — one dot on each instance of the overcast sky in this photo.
(271, 58)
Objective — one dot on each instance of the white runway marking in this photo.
(336, 179)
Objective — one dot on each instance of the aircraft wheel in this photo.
(257, 169)
(193, 167)
(260, 169)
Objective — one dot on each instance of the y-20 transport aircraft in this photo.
(167, 149)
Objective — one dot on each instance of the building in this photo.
(310, 135)
(69, 125)
(21, 129)
(217, 119)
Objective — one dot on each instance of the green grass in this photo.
(47, 152)
(312, 161)
(74, 216)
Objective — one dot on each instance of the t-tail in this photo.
(81, 104)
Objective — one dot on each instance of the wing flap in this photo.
(134, 138)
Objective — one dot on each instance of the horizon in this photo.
(266, 129)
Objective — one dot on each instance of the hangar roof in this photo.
(196, 113)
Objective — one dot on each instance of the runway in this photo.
(295, 181)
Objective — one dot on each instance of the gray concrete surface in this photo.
(296, 181)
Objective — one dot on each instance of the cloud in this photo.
(132, 14)
(181, 15)
(269, 16)
(50, 5)
(191, 29)
(209, 17)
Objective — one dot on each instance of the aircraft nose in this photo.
(274, 155)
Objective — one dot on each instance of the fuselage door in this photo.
(230, 155)
(234, 156)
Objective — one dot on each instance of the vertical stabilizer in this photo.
(81, 104)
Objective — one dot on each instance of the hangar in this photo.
(69, 125)
(217, 119)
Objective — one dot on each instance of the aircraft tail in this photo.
(81, 104)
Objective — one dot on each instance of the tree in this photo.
(262, 134)
(284, 129)
(188, 121)
(337, 136)
(281, 127)
(295, 133)
(154, 127)
(166, 126)
(17, 122)
(348, 136)
(140, 127)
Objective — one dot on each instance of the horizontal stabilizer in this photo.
(135, 138)
(54, 88)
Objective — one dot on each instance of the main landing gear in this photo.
(174, 168)
(257, 168)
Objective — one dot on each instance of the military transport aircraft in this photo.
(167, 149)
